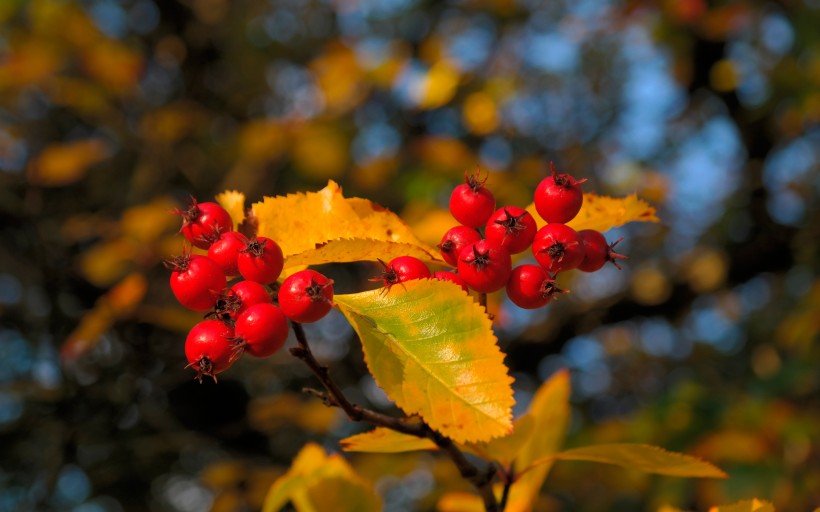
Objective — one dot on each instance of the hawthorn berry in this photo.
(239, 297)
(512, 227)
(196, 281)
(454, 240)
(224, 251)
(306, 296)
(558, 198)
(446, 275)
(402, 269)
(471, 203)
(201, 220)
(557, 248)
(261, 260)
(208, 348)
(530, 287)
(260, 331)
(597, 251)
(485, 266)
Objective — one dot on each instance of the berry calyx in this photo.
(202, 220)
(558, 198)
(446, 275)
(402, 269)
(597, 251)
(485, 266)
(208, 348)
(512, 227)
(261, 260)
(306, 296)
(530, 287)
(224, 251)
(471, 203)
(234, 301)
(196, 281)
(557, 248)
(456, 239)
(260, 331)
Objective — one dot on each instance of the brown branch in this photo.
(335, 397)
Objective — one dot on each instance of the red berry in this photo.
(196, 281)
(558, 198)
(202, 220)
(401, 269)
(306, 296)
(557, 248)
(597, 251)
(225, 250)
(446, 275)
(240, 297)
(208, 348)
(485, 266)
(530, 287)
(261, 260)
(455, 240)
(260, 331)
(512, 227)
(471, 204)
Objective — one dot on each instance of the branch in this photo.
(335, 397)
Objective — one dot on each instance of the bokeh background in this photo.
(113, 112)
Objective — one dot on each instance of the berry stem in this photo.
(335, 397)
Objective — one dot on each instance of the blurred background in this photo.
(114, 112)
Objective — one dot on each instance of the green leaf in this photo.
(432, 350)
(650, 459)
(384, 440)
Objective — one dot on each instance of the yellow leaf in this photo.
(432, 350)
(339, 77)
(261, 141)
(439, 86)
(753, 505)
(63, 164)
(311, 470)
(480, 113)
(603, 213)
(384, 440)
(460, 502)
(234, 202)
(506, 449)
(320, 151)
(324, 226)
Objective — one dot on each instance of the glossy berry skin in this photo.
(485, 266)
(558, 198)
(306, 296)
(557, 248)
(597, 251)
(202, 220)
(402, 269)
(261, 260)
(456, 239)
(208, 348)
(260, 331)
(530, 287)
(196, 281)
(471, 204)
(225, 251)
(446, 275)
(240, 297)
(512, 227)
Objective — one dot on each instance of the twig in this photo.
(335, 397)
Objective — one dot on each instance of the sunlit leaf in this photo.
(432, 350)
(480, 113)
(324, 226)
(506, 449)
(384, 440)
(234, 202)
(311, 470)
(63, 164)
(753, 505)
(339, 78)
(438, 86)
(603, 213)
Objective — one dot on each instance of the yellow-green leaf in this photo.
(753, 505)
(384, 440)
(432, 350)
(650, 459)
(314, 469)
(234, 203)
(460, 502)
(603, 213)
(323, 227)
(505, 449)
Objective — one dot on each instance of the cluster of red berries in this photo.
(480, 248)
(242, 317)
